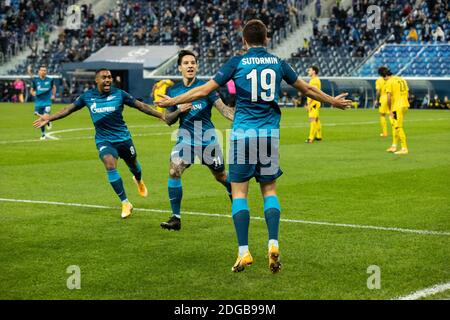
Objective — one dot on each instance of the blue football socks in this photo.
(272, 214)
(116, 182)
(175, 195)
(136, 171)
(241, 219)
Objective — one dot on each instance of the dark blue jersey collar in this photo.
(257, 49)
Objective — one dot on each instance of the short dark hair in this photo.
(100, 70)
(255, 32)
(184, 53)
(382, 71)
(316, 69)
(42, 66)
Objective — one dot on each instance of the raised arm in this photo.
(45, 118)
(318, 95)
(225, 110)
(192, 95)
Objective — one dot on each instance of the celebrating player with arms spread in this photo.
(105, 104)
(255, 134)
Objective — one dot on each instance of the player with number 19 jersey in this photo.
(257, 75)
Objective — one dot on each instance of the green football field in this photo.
(346, 205)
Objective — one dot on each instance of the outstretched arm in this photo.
(145, 108)
(192, 95)
(45, 118)
(225, 110)
(318, 95)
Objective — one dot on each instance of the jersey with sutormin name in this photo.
(257, 75)
(197, 122)
(106, 113)
(43, 88)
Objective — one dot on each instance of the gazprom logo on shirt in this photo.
(94, 108)
(43, 86)
(197, 106)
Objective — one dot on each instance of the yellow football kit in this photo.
(314, 106)
(161, 88)
(380, 86)
(315, 127)
(383, 109)
(397, 87)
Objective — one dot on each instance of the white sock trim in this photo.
(273, 242)
(243, 250)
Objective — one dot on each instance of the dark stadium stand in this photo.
(347, 38)
(411, 60)
(428, 55)
(23, 22)
(214, 29)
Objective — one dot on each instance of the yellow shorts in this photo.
(383, 108)
(399, 116)
(313, 112)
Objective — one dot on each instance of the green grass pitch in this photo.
(346, 179)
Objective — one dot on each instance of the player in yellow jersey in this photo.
(160, 88)
(381, 101)
(397, 99)
(313, 108)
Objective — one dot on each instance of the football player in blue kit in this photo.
(255, 133)
(106, 104)
(196, 135)
(43, 89)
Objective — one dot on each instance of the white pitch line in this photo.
(50, 134)
(81, 138)
(331, 224)
(92, 128)
(438, 288)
